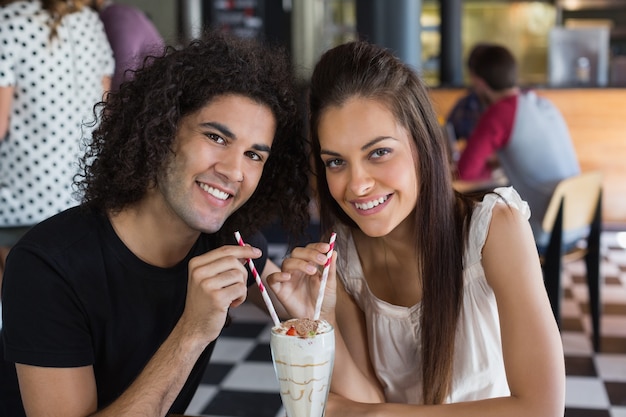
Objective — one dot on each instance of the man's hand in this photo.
(217, 281)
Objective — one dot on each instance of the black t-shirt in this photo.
(75, 295)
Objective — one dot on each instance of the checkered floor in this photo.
(240, 379)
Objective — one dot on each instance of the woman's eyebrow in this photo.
(375, 141)
(326, 152)
(363, 148)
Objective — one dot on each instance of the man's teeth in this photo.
(215, 192)
(370, 204)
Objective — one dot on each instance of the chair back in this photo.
(574, 213)
(579, 195)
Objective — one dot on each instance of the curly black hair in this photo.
(137, 125)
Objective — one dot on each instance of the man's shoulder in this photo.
(503, 108)
(63, 229)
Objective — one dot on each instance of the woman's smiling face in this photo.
(370, 164)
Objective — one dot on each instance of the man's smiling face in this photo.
(218, 158)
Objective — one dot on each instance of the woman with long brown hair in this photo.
(437, 297)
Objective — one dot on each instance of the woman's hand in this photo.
(297, 286)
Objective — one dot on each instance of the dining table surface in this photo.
(468, 186)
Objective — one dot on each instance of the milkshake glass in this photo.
(304, 366)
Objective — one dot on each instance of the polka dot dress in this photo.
(56, 84)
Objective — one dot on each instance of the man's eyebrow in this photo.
(225, 131)
(262, 148)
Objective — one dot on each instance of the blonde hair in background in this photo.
(57, 9)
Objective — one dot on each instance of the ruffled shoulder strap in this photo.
(481, 218)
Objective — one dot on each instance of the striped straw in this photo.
(320, 295)
(257, 278)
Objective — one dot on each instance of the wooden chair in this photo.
(575, 209)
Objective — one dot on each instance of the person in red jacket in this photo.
(525, 131)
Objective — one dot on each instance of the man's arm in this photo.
(73, 391)
(216, 282)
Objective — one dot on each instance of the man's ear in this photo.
(479, 82)
(482, 89)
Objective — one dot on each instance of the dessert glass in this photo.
(304, 367)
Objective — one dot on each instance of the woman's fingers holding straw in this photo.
(298, 285)
(309, 259)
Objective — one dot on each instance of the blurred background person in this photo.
(467, 110)
(132, 36)
(526, 131)
(55, 64)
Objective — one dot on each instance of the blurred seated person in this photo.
(468, 109)
(132, 36)
(526, 132)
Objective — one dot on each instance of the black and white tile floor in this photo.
(240, 380)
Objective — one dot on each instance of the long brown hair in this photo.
(365, 70)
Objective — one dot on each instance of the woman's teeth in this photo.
(370, 204)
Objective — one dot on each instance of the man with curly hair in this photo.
(113, 307)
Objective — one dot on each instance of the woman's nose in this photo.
(361, 182)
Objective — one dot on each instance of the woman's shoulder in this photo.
(499, 201)
(500, 197)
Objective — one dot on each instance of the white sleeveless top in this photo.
(394, 331)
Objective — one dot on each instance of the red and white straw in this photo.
(320, 295)
(257, 278)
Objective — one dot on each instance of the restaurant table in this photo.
(465, 186)
(180, 415)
